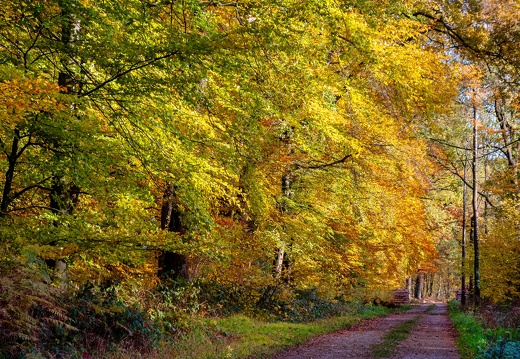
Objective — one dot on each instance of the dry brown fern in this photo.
(30, 307)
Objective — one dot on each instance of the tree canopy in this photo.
(265, 144)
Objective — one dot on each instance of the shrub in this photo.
(103, 318)
(502, 349)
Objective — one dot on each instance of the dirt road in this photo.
(430, 338)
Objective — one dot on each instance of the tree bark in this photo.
(430, 287)
(418, 286)
(287, 194)
(409, 287)
(9, 175)
(282, 268)
(474, 203)
(508, 136)
(463, 241)
(63, 196)
(470, 289)
(172, 264)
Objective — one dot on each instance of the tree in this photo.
(185, 129)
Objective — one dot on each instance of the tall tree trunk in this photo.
(279, 261)
(508, 137)
(171, 264)
(283, 263)
(418, 286)
(474, 204)
(432, 281)
(463, 241)
(282, 260)
(64, 196)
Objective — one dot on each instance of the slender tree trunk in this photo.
(508, 137)
(439, 289)
(409, 287)
(63, 196)
(279, 261)
(470, 289)
(9, 175)
(69, 35)
(484, 222)
(474, 204)
(283, 263)
(463, 241)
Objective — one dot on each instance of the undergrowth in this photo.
(40, 318)
(476, 341)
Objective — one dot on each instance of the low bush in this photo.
(502, 349)
(103, 318)
(272, 302)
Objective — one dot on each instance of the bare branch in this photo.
(321, 166)
(218, 4)
(454, 171)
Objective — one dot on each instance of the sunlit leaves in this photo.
(23, 98)
(500, 259)
(221, 101)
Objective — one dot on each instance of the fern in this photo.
(30, 308)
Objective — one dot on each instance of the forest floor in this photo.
(423, 332)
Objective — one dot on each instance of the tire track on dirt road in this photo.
(432, 338)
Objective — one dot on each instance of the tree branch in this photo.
(321, 166)
(134, 67)
(218, 4)
(445, 143)
(455, 172)
(29, 207)
(36, 185)
(452, 33)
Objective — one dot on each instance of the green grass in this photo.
(475, 341)
(242, 337)
(471, 333)
(393, 338)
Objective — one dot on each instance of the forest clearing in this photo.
(207, 179)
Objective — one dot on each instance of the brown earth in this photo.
(432, 338)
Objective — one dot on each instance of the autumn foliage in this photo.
(268, 151)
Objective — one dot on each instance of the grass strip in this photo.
(471, 333)
(393, 338)
(242, 337)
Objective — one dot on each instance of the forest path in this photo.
(431, 337)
